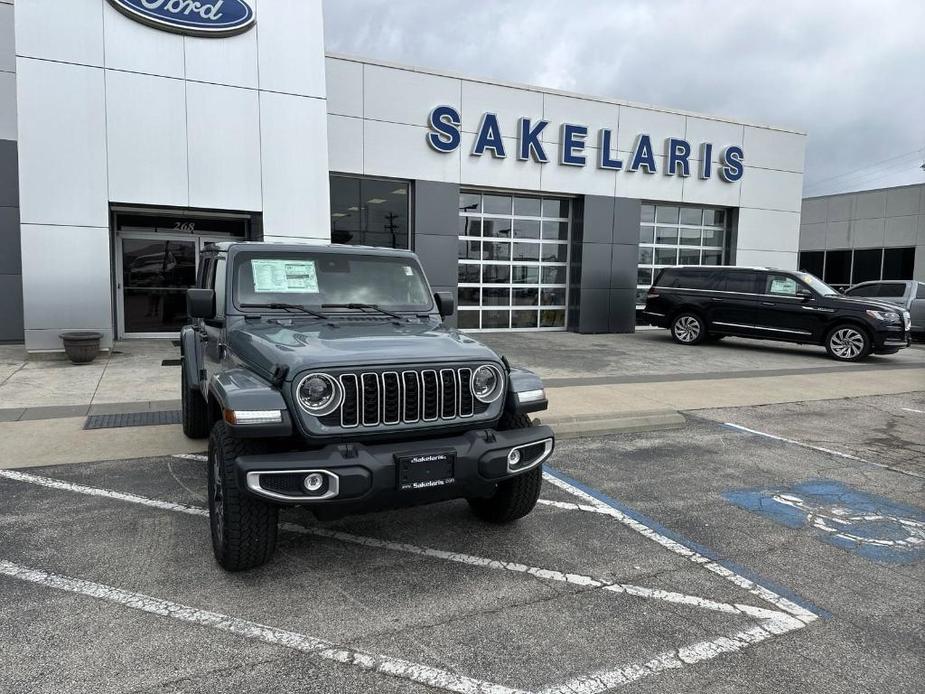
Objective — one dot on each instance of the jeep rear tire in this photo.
(243, 528)
(194, 410)
(515, 497)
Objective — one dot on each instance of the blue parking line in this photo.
(691, 545)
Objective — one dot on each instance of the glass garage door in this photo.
(513, 262)
(673, 235)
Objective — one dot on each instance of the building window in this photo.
(370, 211)
(673, 235)
(513, 262)
(842, 268)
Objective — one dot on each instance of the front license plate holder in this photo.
(425, 470)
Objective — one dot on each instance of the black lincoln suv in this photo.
(700, 303)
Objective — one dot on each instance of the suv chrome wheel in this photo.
(687, 329)
(847, 343)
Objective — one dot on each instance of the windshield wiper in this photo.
(362, 307)
(288, 307)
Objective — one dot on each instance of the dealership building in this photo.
(133, 132)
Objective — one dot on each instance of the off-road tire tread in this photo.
(194, 410)
(515, 497)
(250, 524)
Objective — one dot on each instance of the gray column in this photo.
(435, 224)
(605, 253)
(11, 314)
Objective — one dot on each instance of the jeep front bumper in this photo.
(355, 477)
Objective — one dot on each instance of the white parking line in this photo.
(394, 667)
(786, 618)
(822, 450)
(909, 409)
(458, 557)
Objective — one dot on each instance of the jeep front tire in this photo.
(243, 528)
(515, 497)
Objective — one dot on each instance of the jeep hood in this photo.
(306, 344)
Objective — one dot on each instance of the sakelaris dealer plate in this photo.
(425, 470)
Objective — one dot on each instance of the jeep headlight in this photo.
(319, 394)
(487, 383)
(885, 316)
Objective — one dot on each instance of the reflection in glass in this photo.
(470, 226)
(666, 256)
(496, 204)
(555, 207)
(496, 250)
(468, 273)
(469, 296)
(496, 296)
(527, 207)
(526, 297)
(525, 274)
(524, 319)
(470, 202)
(469, 250)
(526, 251)
(492, 226)
(369, 211)
(496, 319)
(526, 229)
(555, 231)
(666, 235)
(468, 320)
(554, 275)
(666, 214)
(496, 274)
(553, 297)
(552, 318)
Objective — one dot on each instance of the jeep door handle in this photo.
(768, 303)
(716, 298)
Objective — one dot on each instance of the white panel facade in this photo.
(506, 103)
(146, 133)
(382, 140)
(231, 61)
(70, 31)
(579, 180)
(135, 47)
(595, 115)
(774, 149)
(720, 133)
(699, 191)
(345, 144)
(62, 144)
(658, 125)
(344, 81)
(70, 298)
(487, 170)
(657, 186)
(772, 190)
(291, 46)
(294, 168)
(403, 96)
(224, 147)
(768, 230)
(782, 260)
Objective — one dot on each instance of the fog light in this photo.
(513, 458)
(313, 482)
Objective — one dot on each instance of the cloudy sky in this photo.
(849, 73)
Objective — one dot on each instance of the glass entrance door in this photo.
(156, 272)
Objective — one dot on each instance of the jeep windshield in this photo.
(328, 282)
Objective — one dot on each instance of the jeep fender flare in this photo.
(240, 389)
(521, 381)
(189, 356)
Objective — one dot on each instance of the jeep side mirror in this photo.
(446, 303)
(200, 303)
(804, 294)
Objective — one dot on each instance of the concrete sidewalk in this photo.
(44, 403)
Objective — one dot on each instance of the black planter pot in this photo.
(81, 346)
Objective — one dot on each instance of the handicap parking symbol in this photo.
(871, 526)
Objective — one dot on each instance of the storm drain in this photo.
(132, 419)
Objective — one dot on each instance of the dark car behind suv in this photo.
(700, 303)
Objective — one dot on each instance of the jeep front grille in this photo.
(404, 397)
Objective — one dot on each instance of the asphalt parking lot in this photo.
(756, 549)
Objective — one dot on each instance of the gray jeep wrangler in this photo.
(324, 378)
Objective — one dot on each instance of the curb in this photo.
(574, 427)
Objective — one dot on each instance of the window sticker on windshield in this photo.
(783, 285)
(284, 276)
(408, 270)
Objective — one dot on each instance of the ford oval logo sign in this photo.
(192, 17)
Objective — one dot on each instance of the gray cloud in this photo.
(851, 74)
